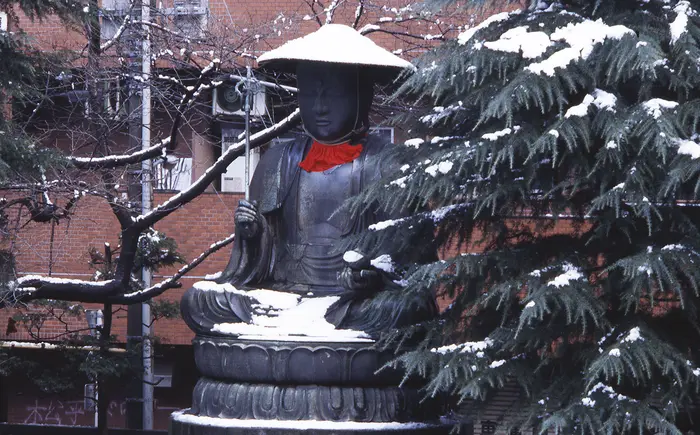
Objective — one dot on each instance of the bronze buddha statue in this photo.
(287, 236)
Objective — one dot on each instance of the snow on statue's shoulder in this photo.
(287, 316)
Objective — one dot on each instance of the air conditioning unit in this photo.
(3, 21)
(234, 178)
(228, 101)
(118, 7)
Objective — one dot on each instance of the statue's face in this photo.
(328, 99)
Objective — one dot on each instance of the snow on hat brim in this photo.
(333, 43)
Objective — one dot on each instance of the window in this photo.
(385, 132)
(175, 173)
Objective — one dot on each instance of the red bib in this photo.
(321, 157)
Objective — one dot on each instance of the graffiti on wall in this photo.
(73, 412)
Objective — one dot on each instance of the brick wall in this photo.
(195, 227)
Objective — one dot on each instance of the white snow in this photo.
(442, 167)
(219, 288)
(620, 186)
(633, 335)
(497, 364)
(352, 256)
(688, 147)
(571, 273)
(614, 352)
(415, 142)
(290, 317)
(532, 44)
(384, 224)
(645, 269)
(405, 168)
(383, 262)
(300, 425)
(212, 276)
(580, 109)
(465, 36)
(498, 134)
(674, 247)
(604, 100)
(611, 145)
(336, 43)
(530, 304)
(468, 347)
(581, 37)
(654, 106)
(52, 280)
(599, 98)
(401, 182)
(679, 26)
(554, 133)
(587, 401)
(274, 300)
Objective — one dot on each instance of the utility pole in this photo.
(146, 200)
(139, 405)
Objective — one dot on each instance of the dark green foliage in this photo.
(571, 189)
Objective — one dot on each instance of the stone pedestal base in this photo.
(272, 387)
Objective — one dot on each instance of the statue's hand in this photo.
(248, 219)
(358, 274)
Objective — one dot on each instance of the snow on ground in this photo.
(289, 317)
(302, 425)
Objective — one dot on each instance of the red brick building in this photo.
(62, 250)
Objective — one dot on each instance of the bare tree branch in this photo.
(173, 281)
(114, 161)
(358, 13)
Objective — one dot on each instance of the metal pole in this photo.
(248, 91)
(146, 167)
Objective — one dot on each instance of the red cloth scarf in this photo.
(321, 156)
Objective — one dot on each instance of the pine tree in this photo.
(558, 147)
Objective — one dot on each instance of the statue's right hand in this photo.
(248, 219)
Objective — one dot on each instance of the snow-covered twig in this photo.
(113, 40)
(358, 13)
(173, 281)
(119, 160)
(330, 10)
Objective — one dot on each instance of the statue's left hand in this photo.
(358, 275)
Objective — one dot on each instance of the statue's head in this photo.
(336, 67)
(334, 100)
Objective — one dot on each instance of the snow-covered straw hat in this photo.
(333, 43)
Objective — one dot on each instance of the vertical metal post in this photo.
(146, 168)
(248, 91)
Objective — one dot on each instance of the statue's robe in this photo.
(296, 250)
